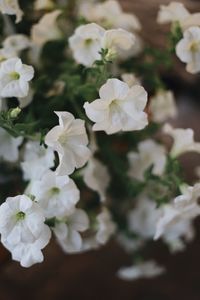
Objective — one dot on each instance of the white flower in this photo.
(14, 78)
(143, 218)
(184, 207)
(37, 160)
(58, 195)
(149, 154)
(29, 254)
(5, 54)
(130, 79)
(11, 7)
(188, 49)
(117, 41)
(67, 231)
(183, 140)
(16, 43)
(88, 40)
(105, 226)
(43, 4)
(148, 269)
(174, 11)
(25, 101)
(70, 140)
(21, 220)
(110, 15)
(9, 146)
(96, 177)
(86, 43)
(119, 108)
(162, 106)
(46, 29)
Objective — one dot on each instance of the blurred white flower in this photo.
(46, 29)
(117, 41)
(70, 140)
(16, 43)
(21, 220)
(110, 15)
(119, 108)
(148, 269)
(174, 11)
(183, 140)
(9, 146)
(143, 218)
(85, 43)
(105, 226)
(163, 106)
(188, 49)
(58, 195)
(11, 7)
(36, 160)
(5, 54)
(14, 78)
(184, 207)
(43, 4)
(29, 254)
(149, 154)
(25, 101)
(67, 231)
(96, 177)
(131, 79)
(88, 40)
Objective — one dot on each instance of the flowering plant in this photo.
(83, 114)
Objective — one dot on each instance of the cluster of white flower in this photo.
(64, 157)
(188, 48)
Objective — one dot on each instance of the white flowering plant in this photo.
(84, 108)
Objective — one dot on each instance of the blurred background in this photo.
(92, 275)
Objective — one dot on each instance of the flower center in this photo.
(14, 75)
(194, 46)
(55, 190)
(20, 215)
(88, 42)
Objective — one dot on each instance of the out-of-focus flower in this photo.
(96, 177)
(119, 108)
(58, 195)
(149, 154)
(70, 140)
(14, 78)
(43, 4)
(162, 106)
(11, 7)
(188, 49)
(9, 146)
(25, 101)
(105, 226)
(36, 160)
(183, 140)
(148, 269)
(46, 29)
(86, 43)
(16, 43)
(130, 79)
(67, 231)
(117, 41)
(109, 15)
(174, 11)
(184, 207)
(88, 40)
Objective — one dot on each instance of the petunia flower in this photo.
(14, 78)
(119, 108)
(70, 140)
(188, 49)
(9, 146)
(11, 7)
